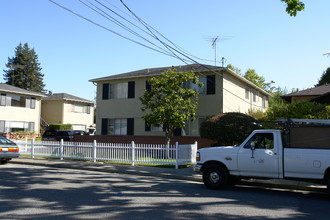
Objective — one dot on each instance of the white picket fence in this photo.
(113, 152)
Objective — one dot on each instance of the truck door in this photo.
(259, 157)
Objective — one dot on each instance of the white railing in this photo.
(129, 153)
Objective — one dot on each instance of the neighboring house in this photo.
(119, 107)
(63, 108)
(320, 94)
(20, 109)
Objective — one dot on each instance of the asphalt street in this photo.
(44, 192)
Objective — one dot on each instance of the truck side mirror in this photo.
(253, 146)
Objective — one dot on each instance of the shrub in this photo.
(228, 128)
(55, 127)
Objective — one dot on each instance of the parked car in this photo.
(66, 135)
(8, 150)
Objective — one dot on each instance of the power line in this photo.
(107, 29)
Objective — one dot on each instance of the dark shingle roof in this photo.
(66, 97)
(13, 89)
(316, 91)
(158, 71)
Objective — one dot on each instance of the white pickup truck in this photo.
(268, 154)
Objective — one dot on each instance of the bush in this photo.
(55, 127)
(300, 109)
(228, 128)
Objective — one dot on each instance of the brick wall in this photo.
(143, 139)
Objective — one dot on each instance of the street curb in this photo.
(122, 169)
(107, 169)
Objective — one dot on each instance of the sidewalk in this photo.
(183, 173)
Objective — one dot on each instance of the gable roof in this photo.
(316, 91)
(13, 89)
(65, 97)
(157, 71)
(150, 72)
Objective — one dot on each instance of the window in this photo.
(12, 126)
(17, 101)
(117, 126)
(118, 90)
(247, 93)
(208, 85)
(3, 100)
(121, 126)
(80, 108)
(255, 94)
(192, 127)
(263, 102)
(153, 127)
(261, 141)
(33, 103)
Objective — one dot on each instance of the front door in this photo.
(259, 157)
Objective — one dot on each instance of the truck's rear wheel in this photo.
(215, 177)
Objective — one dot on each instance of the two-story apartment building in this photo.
(20, 109)
(119, 107)
(64, 108)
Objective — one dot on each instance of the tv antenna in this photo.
(327, 54)
(214, 41)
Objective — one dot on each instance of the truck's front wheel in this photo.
(215, 177)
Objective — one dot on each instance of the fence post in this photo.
(32, 148)
(61, 149)
(133, 153)
(176, 155)
(94, 151)
(194, 152)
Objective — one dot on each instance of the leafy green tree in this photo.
(259, 81)
(228, 128)
(24, 70)
(277, 107)
(235, 69)
(168, 103)
(325, 78)
(293, 6)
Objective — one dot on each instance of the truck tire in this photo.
(215, 177)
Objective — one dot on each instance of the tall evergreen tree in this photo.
(325, 78)
(24, 70)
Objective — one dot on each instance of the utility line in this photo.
(108, 17)
(107, 29)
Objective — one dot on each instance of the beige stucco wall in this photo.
(52, 111)
(59, 111)
(234, 96)
(79, 121)
(21, 114)
(229, 97)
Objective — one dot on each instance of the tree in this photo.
(325, 78)
(293, 6)
(235, 69)
(24, 70)
(259, 81)
(253, 77)
(168, 103)
(228, 128)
